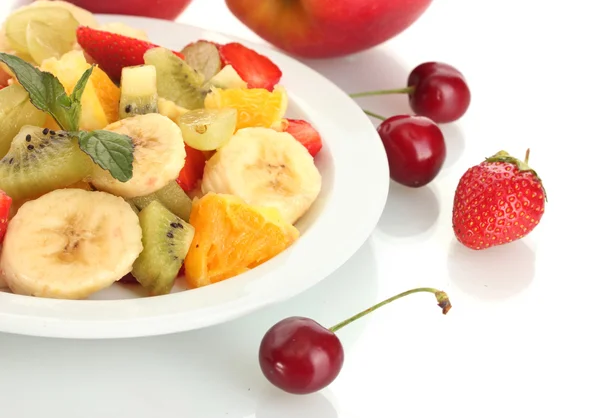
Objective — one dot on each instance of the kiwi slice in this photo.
(166, 239)
(175, 79)
(16, 111)
(41, 160)
(138, 91)
(208, 129)
(172, 196)
(203, 57)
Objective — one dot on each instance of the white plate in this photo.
(355, 186)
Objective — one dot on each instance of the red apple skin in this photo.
(160, 9)
(327, 28)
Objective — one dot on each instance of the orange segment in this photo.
(256, 107)
(232, 237)
(106, 91)
(108, 94)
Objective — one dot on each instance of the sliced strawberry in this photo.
(4, 78)
(255, 69)
(5, 202)
(113, 52)
(193, 170)
(305, 134)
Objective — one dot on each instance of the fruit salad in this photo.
(122, 160)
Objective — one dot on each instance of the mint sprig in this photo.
(110, 150)
(47, 93)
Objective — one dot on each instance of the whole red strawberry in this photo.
(496, 202)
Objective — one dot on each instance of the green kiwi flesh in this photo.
(16, 111)
(139, 94)
(175, 79)
(41, 160)
(166, 239)
(172, 196)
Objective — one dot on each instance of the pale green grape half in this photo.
(208, 129)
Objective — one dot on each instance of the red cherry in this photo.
(440, 92)
(300, 356)
(427, 69)
(435, 90)
(415, 148)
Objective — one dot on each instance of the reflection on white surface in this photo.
(497, 273)
(408, 212)
(209, 373)
(373, 69)
(279, 405)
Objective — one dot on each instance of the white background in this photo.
(520, 340)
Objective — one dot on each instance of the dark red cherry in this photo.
(300, 356)
(440, 92)
(415, 148)
(426, 69)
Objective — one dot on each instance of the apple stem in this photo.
(527, 156)
(442, 299)
(374, 115)
(405, 90)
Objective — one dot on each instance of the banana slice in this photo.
(265, 168)
(158, 156)
(70, 243)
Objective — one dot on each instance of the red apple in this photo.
(161, 9)
(327, 28)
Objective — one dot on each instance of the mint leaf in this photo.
(74, 108)
(47, 93)
(30, 78)
(111, 151)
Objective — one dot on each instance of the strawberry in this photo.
(193, 170)
(255, 69)
(5, 202)
(496, 202)
(4, 78)
(113, 52)
(305, 134)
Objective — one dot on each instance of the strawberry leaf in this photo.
(47, 93)
(111, 151)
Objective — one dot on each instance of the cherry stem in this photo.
(442, 299)
(406, 90)
(374, 115)
(527, 156)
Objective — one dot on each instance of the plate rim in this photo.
(190, 319)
